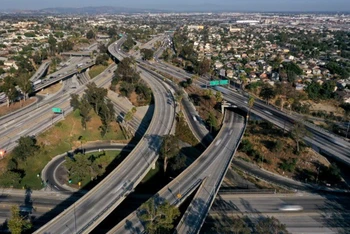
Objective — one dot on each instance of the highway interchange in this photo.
(127, 175)
(102, 199)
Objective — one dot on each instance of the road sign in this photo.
(214, 82)
(218, 82)
(57, 110)
(223, 82)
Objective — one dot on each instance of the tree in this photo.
(74, 101)
(204, 67)
(298, 133)
(26, 148)
(158, 217)
(25, 85)
(178, 97)
(10, 90)
(212, 121)
(270, 225)
(126, 89)
(84, 109)
(129, 43)
(313, 90)
(16, 223)
(169, 149)
(250, 104)
(95, 96)
(267, 92)
(147, 54)
(126, 71)
(79, 167)
(52, 42)
(90, 34)
(112, 31)
(218, 96)
(107, 115)
(11, 178)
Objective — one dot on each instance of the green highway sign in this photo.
(223, 82)
(56, 110)
(218, 82)
(214, 82)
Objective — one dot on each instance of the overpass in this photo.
(60, 76)
(207, 172)
(98, 203)
(41, 71)
(77, 54)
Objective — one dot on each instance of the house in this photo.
(229, 73)
(10, 63)
(299, 87)
(344, 95)
(218, 65)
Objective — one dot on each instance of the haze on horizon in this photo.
(189, 5)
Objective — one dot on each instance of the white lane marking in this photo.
(217, 142)
(230, 133)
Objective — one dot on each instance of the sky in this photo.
(207, 5)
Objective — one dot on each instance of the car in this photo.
(289, 207)
(194, 118)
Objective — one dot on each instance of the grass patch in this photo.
(184, 133)
(96, 70)
(152, 173)
(62, 137)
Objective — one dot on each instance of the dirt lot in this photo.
(304, 166)
(15, 106)
(52, 89)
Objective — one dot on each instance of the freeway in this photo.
(211, 164)
(195, 215)
(36, 118)
(320, 214)
(321, 139)
(91, 209)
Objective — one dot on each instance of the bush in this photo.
(289, 165)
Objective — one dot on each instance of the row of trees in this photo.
(94, 98)
(128, 79)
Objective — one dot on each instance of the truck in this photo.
(79, 65)
(37, 82)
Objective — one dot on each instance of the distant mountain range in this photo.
(96, 10)
(86, 10)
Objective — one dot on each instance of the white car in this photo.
(290, 208)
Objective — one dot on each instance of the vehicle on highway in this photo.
(37, 82)
(26, 209)
(289, 207)
(194, 118)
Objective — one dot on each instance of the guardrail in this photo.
(246, 191)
